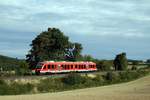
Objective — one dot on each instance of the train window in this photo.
(71, 66)
(84, 66)
(63, 67)
(49, 66)
(53, 66)
(89, 66)
(79, 66)
(68, 66)
(44, 67)
(76, 66)
(92, 66)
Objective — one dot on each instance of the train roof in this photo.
(67, 62)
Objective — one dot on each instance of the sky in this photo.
(105, 28)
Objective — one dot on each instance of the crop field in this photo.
(135, 90)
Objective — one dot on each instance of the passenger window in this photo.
(84, 66)
(49, 66)
(53, 66)
(71, 66)
(79, 66)
(76, 66)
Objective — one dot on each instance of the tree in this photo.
(22, 69)
(148, 61)
(120, 62)
(104, 65)
(51, 45)
(86, 58)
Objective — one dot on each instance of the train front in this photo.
(38, 68)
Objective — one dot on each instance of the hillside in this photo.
(135, 90)
(8, 63)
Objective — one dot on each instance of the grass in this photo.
(134, 90)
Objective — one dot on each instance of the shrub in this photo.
(4, 88)
(104, 65)
(50, 85)
(99, 80)
(16, 88)
(134, 67)
(112, 77)
(130, 75)
(73, 79)
(23, 69)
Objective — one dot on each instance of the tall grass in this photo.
(72, 81)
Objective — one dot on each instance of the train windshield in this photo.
(39, 65)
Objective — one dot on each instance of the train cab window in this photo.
(44, 67)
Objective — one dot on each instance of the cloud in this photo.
(113, 19)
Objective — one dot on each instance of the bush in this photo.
(14, 88)
(4, 88)
(134, 67)
(23, 69)
(50, 85)
(130, 75)
(17, 88)
(104, 65)
(99, 80)
(73, 79)
(112, 77)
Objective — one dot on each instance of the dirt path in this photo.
(135, 90)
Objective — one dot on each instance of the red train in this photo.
(62, 67)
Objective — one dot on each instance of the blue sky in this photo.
(104, 27)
